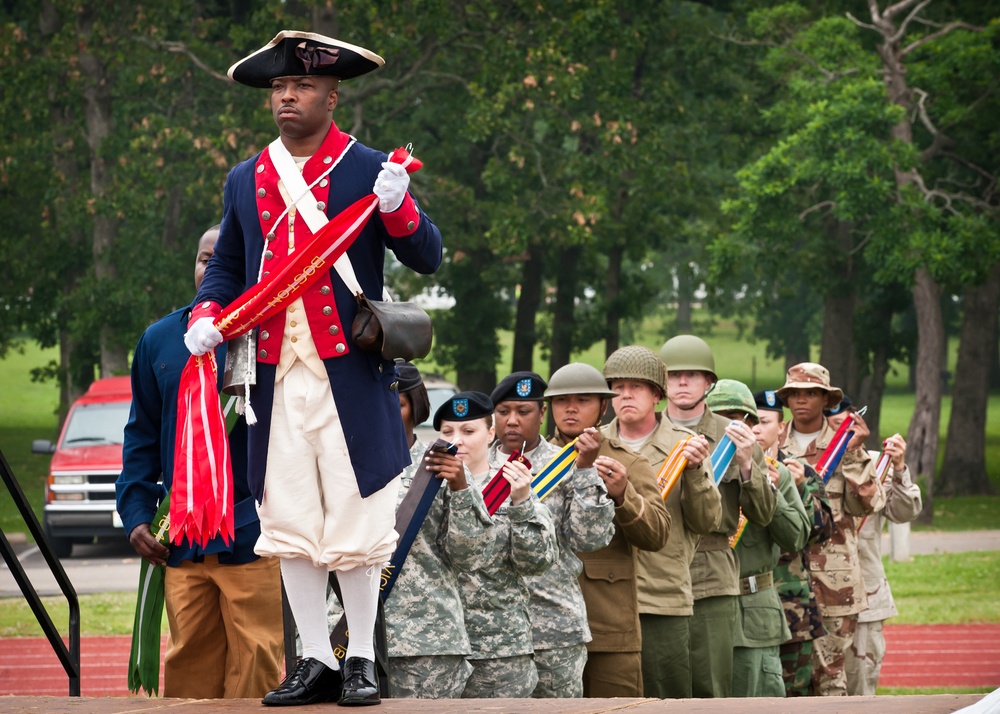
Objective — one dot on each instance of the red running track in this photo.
(917, 656)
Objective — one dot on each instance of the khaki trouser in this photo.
(225, 629)
(829, 676)
(864, 659)
(613, 674)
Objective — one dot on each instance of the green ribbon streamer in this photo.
(144, 659)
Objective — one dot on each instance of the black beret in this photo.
(768, 400)
(409, 376)
(844, 404)
(464, 406)
(520, 387)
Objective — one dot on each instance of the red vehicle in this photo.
(86, 462)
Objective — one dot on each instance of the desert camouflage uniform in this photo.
(664, 577)
(425, 627)
(834, 566)
(495, 598)
(791, 578)
(583, 516)
(715, 570)
(761, 626)
(864, 657)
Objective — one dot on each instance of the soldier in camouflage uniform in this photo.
(791, 575)
(637, 376)
(583, 515)
(744, 487)
(579, 397)
(425, 627)
(761, 626)
(852, 490)
(495, 597)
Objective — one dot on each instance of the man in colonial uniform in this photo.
(328, 445)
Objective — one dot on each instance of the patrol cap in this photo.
(730, 395)
(578, 378)
(519, 387)
(293, 53)
(412, 384)
(810, 375)
(767, 400)
(464, 406)
(845, 404)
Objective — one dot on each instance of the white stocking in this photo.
(359, 587)
(305, 586)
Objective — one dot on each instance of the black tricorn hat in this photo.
(293, 53)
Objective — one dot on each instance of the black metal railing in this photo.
(69, 658)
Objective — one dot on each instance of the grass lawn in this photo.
(948, 588)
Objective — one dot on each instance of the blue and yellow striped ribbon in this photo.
(554, 471)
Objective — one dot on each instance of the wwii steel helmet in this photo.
(636, 362)
(729, 395)
(577, 378)
(688, 353)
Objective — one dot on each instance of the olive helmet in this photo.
(730, 395)
(636, 362)
(577, 378)
(688, 353)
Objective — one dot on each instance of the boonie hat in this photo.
(464, 406)
(810, 375)
(293, 53)
(519, 387)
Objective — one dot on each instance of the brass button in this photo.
(266, 215)
(327, 159)
(323, 183)
(294, 338)
(268, 255)
(266, 273)
(261, 192)
(410, 226)
(264, 334)
(394, 385)
(293, 323)
(263, 354)
(291, 308)
(320, 206)
(260, 168)
(270, 236)
(341, 348)
(327, 310)
(325, 290)
(334, 329)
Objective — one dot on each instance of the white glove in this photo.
(390, 186)
(202, 336)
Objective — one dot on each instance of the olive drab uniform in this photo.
(664, 578)
(761, 625)
(791, 577)
(609, 579)
(583, 517)
(715, 570)
(426, 635)
(834, 566)
(864, 657)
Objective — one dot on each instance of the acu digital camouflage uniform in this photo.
(583, 516)
(791, 579)
(715, 570)
(834, 566)
(495, 598)
(664, 578)
(864, 656)
(609, 579)
(425, 627)
(761, 627)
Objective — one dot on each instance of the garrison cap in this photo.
(293, 53)
(412, 385)
(844, 405)
(409, 376)
(520, 387)
(464, 406)
(767, 400)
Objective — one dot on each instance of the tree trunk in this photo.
(871, 390)
(528, 302)
(837, 341)
(612, 291)
(563, 321)
(922, 437)
(963, 472)
(685, 293)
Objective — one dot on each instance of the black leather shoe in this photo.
(360, 683)
(309, 682)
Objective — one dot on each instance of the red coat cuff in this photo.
(404, 220)
(204, 309)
